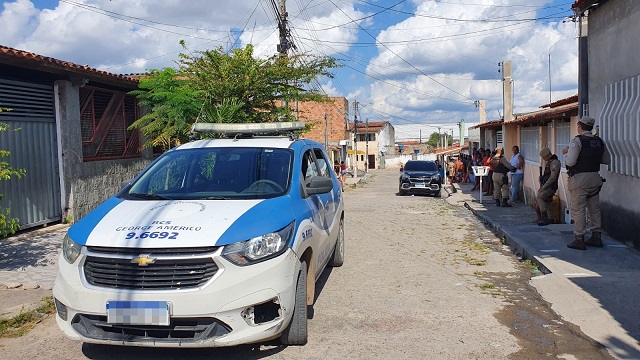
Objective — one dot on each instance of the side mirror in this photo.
(319, 185)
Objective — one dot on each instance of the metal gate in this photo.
(35, 199)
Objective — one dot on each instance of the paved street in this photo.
(594, 289)
(423, 279)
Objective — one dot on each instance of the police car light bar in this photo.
(248, 128)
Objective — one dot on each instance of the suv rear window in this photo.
(420, 166)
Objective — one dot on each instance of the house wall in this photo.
(533, 168)
(312, 113)
(613, 29)
(84, 185)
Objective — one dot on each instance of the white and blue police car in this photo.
(217, 242)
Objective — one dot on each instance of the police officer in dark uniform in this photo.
(548, 186)
(500, 180)
(583, 158)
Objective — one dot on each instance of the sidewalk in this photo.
(30, 260)
(596, 289)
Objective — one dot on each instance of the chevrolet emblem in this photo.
(143, 260)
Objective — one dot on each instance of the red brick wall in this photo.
(312, 113)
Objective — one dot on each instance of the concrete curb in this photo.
(510, 241)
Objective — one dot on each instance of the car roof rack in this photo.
(248, 130)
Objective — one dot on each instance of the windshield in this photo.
(216, 174)
(420, 166)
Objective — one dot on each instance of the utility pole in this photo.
(507, 92)
(326, 133)
(461, 128)
(355, 139)
(420, 136)
(284, 45)
(366, 162)
(439, 138)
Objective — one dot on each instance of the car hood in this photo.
(180, 223)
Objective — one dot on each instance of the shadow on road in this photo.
(254, 351)
(29, 252)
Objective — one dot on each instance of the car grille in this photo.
(163, 274)
(420, 179)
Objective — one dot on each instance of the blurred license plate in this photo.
(420, 185)
(138, 312)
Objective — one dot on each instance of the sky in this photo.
(419, 64)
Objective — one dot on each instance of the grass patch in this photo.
(476, 246)
(26, 320)
(474, 261)
(487, 286)
(532, 266)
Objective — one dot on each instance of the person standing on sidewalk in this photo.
(548, 186)
(518, 162)
(583, 158)
(487, 162)
(500, 180)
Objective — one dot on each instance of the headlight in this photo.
(436, 177)
(70, 250)
(405, 177)
(259, 248)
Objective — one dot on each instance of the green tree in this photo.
(216, 86)
(8, 225)
(172, 104)
(435, 138)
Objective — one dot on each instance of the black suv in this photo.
(420, 177)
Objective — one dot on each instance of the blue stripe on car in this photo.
(267, 216)
(81, 230)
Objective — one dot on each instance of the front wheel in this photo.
(337, 259)
(296, 332)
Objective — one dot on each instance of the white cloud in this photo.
(458, 60)
(431, 69)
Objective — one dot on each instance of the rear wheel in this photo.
(296, 332)
(337, 259)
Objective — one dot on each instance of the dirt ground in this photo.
(422, 280)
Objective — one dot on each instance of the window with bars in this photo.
(105, 116)
(530, 144)
(563, 138)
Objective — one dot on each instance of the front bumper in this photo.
(238, 305)
(420, 187)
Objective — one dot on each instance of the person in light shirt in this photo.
(516, 161)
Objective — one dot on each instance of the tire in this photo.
(401, 192)
(337, 258)
(439, 193)
(296, 331)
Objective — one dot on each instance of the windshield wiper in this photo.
(216, 198)
(149, 196)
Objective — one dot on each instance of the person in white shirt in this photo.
(516, 161)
